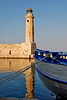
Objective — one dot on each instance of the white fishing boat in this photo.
(52, 70)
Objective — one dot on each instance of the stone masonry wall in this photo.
(16, 50)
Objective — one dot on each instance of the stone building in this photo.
(23, 50)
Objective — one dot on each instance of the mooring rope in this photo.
(15, 74)
(12, 76)
(61, 62)
(21, 79)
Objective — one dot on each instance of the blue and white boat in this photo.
(52, 70)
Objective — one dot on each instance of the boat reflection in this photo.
(13, 65)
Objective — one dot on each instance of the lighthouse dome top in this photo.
(29, 10)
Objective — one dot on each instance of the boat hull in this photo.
(53, 76)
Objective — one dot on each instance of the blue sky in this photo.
(50, 22)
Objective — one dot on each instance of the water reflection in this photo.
(30, 84)
(12, 65)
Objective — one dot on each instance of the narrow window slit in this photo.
(10, 52)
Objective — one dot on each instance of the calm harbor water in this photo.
(28, 84)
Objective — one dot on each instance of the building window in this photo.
(10, 52)
(27, 20)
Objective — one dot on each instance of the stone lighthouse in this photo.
(29, 26)
(30, 31)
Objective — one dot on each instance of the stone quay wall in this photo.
(24, 50)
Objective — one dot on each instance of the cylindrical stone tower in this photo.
(29, 26)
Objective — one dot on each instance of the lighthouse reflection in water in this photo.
(24, 85)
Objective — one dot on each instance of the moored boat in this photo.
(52, 70)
